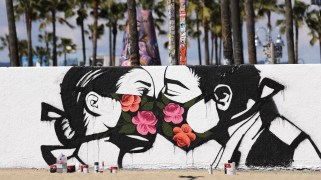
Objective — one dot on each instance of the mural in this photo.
(148, 47)
(231, 105)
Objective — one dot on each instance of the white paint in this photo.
(279, 127)
(202, 118)
(22, 133)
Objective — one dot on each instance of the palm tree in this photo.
(250, 27)
(237, 32)
(313, 21)
(27, 8)
(46, 38)
(113, 12)
(48, 12)
(195, 6)
(265, 8)
(23, 48)
(82, 16)
(216, 30)
(95, 26)
(289, 31)
(13, 42)
(40, 52)
(299, 14)
(4, 41)
(226, 31)
(133, 33)
(206, 25)
(67, 46)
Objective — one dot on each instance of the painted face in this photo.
(183, 109)
(136, 127)
(136, 82)
(181, 87)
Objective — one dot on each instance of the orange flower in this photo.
(130, 102)
(184, 136)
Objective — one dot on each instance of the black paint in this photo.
(244, 81)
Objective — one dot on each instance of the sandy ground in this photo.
(34, 174)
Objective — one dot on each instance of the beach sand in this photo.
(43, 174)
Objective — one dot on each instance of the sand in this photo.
(34, 174)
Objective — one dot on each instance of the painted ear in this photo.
(223, 96)
(92, 102)
(268, 88)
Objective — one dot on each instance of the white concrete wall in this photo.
(22, 91)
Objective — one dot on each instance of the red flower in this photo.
(183, 136)
(130, 102)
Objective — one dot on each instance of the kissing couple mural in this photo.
(232, 106)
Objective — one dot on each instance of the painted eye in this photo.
(143, 91)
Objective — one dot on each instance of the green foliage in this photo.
(127, 129)
(165, 99)
(148, 106)
(144, 100)
(126, 117)
(204, 135)
(115, 96)
(313, 21)
(160, 105)
(299, 15)
(167, 129)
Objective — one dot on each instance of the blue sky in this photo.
(310, 54)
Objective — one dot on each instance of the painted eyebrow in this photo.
(171, 81)
(145, 83)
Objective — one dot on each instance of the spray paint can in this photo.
(96, 167)
(77, 167)
(85, 169)
(53, 168)
(71, 169)
(229, 168)
(102, 166)
(210, 170)
(113, 169)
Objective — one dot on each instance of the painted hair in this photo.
(78, 82)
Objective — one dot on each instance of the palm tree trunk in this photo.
(268, 14)
(289, 31)
(114, 43)
(133, 33)
(54, 38)
(296, 43)
(207, 58)
(13, 42)
(110, 46)
(94, 53)
(226, 32)
(220, 52)
(216, 50)
(198, 41)
(65, 58)
(250, 28)
(83, 36)
(212, 48)
(29, 28)
(237, 32)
